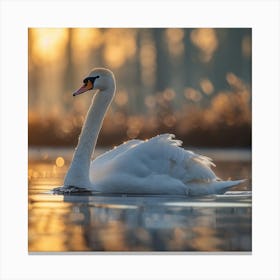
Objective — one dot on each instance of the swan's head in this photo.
(98, 78)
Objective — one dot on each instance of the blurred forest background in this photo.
(193, 82)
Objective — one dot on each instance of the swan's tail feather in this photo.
(222, 186)
(214, 187)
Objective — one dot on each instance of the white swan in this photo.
(155, 166)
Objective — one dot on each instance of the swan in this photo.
(155, 166)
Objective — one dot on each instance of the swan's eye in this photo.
(92, 79)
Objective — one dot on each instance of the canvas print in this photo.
(139, 140)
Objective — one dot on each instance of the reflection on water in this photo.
(135, 223)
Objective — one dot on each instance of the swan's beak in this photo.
(84, 88)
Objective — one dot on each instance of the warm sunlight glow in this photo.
(247, 46)
(169, 120)
(233, 80)
(206, 86)
(120, 45)
(85, 37)
(59, 161)
(192, 94)
(85, 41)
(206, 40)
(49, 43)
(150, 101)
(112, 169)
(174, 39)
(168, 78)
(121, 98)
(135, 125)
(119, 118)
(169, 94)
(147, 59)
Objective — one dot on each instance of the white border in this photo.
(262, 16)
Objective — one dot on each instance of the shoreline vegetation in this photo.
(223, 137)
(230, 127)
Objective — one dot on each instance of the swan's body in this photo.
(155, 166)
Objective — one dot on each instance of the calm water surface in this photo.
(76, 223)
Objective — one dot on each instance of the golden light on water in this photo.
(206, 239)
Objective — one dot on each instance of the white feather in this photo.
(158, 165)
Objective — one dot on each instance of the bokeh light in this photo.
(48, 43)
(206, 40)
(59, 161)
(168, 80)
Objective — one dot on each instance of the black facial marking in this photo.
(92, 79)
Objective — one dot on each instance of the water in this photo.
(79, 223)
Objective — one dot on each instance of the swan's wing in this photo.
(105, 159)
(166, 156)
(109, 155)
(192, 169)
(160, 155)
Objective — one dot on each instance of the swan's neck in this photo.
(78, 173)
